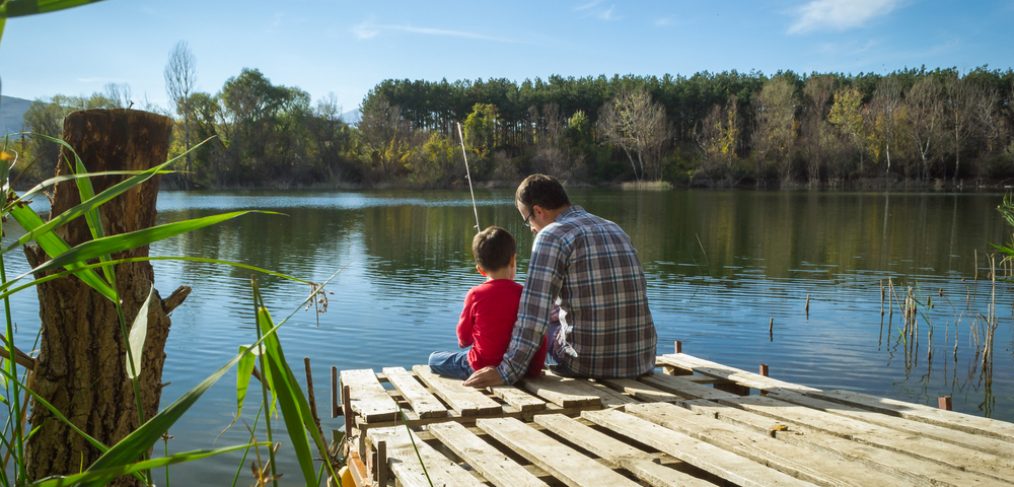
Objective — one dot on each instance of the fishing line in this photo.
(468, 176)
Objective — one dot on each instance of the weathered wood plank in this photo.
(561, 391)
(494, 466)
(979, 442)
(680, 386)
(956, 456)
(404, 463)
(908, 469)
(640, 390)
(519, 399)
(368, 398)
(616, 453)
(820, 469)
(919, 412)
(717, 461)
(465, 400)
(563, 462)
(739, 376)
(424, 404)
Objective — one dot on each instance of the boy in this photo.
(490, 310)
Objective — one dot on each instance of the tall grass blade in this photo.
(53, 245)
(126, 241)
(282, 384)
(3, 20)
(244, 371)
(5, 291)
(113, 472)
(53, 181)
(138, 333)
(19, 8)
(144, 437)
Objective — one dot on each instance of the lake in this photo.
(730, 274)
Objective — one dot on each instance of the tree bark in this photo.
(81, 368)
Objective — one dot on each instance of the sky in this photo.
(344, 48)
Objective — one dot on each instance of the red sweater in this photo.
(487, 321)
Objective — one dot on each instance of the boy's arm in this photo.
(545, 278)
(465, 323)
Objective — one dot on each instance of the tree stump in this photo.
(81, 366)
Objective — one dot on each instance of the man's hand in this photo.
(484, 377)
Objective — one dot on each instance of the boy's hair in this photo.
(493, 248)
(542, 190)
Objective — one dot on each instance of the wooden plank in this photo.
(465, 400)
(424, 404)
(561, 391)
(739, 376)
(367, 397)
(986, 444)
(563, 462)
(519, 399)
(496, 467)
(956, 456)
(685, 388)
(640, 390)
(618, 454)
(719, 462)
(404, 463)
(908, 469)
(919, 412)
(824, 470)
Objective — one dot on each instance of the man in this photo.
(588, 267)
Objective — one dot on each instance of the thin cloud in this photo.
(663, 22)
(369, 30)
(595, 8)
(840, 14)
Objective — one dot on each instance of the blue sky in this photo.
(345, 48)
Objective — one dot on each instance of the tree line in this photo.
(709, 129)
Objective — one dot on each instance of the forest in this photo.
(912, 127)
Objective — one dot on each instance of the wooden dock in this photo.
(699, 423)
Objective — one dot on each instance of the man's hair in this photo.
(542, 190)
(493, 248)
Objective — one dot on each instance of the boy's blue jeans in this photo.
(450, 364)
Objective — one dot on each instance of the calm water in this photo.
(719, 265)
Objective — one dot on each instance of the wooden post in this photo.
(80, 368)
(944, 402)
(347, 406)
(334, 393)
(310, 395)
(679, 346)
(381, 466)
(763, 370)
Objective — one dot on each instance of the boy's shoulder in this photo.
(496, 286)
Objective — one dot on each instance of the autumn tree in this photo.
(180, 79)
(847, 114)
(635, 123)
(925, 107)
(718, 136)
(776, 126)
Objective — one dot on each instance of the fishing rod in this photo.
(468, 176)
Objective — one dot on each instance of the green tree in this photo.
(847, 114)
(776, 126)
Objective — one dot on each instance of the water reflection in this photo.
(729, 273)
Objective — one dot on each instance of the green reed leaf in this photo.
(244, 371)
(53, 245)
(126, 241)
(150, 464)
(20, 8)
(138, 333)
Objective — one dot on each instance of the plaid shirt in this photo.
(590, 266)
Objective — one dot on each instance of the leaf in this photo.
(244, 371)
(20, 8)
(138, 333)
(126, 241)
(53, 245)
(285, 388)
(150, 464)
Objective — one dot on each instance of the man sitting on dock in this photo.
(585, 287)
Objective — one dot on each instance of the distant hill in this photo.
(12, 114)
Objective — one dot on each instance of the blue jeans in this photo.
(450, 364)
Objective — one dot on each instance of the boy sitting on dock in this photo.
(491, 308)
